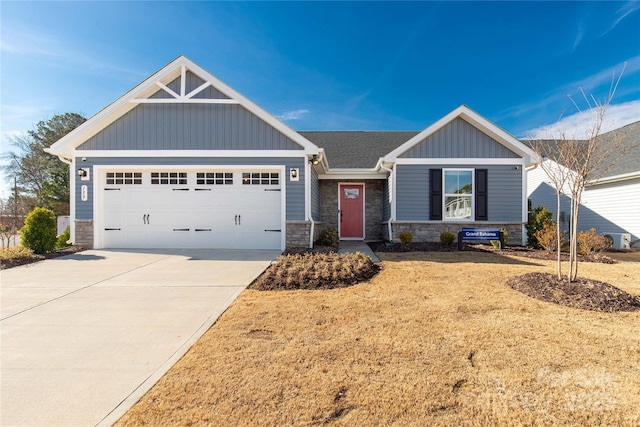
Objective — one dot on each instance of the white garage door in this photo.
(234, 209)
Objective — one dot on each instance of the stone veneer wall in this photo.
(298, 234)
(430, 232)
(84, 233)
(373, 206)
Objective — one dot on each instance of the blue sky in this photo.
(328, 65)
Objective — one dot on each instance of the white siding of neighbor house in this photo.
(609, 208)
(612, 208)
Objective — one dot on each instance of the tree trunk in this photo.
(559, 236)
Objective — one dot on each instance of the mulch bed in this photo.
(520, 251)
(585, 294)
(417, 247)
(15, 262)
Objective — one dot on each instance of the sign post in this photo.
(478, 234)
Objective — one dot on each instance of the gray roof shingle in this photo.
(357, 149)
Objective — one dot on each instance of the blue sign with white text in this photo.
(480, 234)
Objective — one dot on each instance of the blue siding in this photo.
(504, 192)
(189, 127)
(412, 192)
(316, 198)
(294, 190)
(459, 139)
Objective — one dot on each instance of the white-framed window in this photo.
(458, 193)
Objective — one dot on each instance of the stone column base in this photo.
(84, 233)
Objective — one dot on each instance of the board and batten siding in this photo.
(459, 139)
(504, 192)
(175, 126)
(294, 190)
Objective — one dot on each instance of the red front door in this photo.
(351, 211)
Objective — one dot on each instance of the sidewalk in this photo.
(353, 246)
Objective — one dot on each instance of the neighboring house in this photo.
(184, 161)
(610, 204)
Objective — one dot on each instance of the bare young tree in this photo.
(581, 160)
(552, 149)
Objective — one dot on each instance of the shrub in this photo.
(39, 231)
(447, 238)
(592, 242)
(406, 237)
(328, 237)
(61, 241)
(15, 252)
(548, 238)
(539, 219)
(505, 237)
(316, 271)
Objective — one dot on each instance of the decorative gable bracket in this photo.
(183, 97)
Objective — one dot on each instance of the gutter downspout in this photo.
(307, 179)
(389, 221)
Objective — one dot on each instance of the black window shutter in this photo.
(482, 202)
(435, 194)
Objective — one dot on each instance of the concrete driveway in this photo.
(83, 337)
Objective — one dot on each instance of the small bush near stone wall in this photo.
(39, 231)
(592, 242)
(61, 241)
(406, 237)
(505, 237)
(316, 271)
(447, 238)
(328, 237)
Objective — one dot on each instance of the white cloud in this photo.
(575, 126)
(293, 115)
(627, 9)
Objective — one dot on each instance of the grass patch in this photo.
(434, 339)
(316, 271)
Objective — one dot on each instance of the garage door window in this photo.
(214, 178)
(260, 178)
(169, 178)
(126, 178)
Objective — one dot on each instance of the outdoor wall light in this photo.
(294, 174)
(83, 173)
(314, 160)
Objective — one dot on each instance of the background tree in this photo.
(39, 175)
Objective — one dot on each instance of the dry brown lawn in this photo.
(434, 339)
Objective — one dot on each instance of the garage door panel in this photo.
(204, 213)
